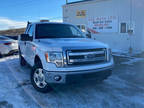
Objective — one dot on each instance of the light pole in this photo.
(130, 32)
(66, 1)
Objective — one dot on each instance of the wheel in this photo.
(22, 60)
(38, 79)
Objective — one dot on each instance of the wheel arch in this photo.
(19, 49)
(37, 59)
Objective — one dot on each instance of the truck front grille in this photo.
(86, 56)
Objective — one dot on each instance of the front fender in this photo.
(41, 55)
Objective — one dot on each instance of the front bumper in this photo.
(74, 76)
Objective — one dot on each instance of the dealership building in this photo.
(118, 23)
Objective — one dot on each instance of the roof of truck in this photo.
(79, 1)
(49, 23)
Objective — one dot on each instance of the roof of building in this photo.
(79, 1)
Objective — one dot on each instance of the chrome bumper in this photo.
(72, 76)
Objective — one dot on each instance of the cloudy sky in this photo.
(15, 13)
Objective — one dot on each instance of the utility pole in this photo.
(66, 1)
(130, 31)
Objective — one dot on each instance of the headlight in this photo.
(55, 57)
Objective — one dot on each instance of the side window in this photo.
(31, 30)
(83, 28)
(27, 29)
(75, 31)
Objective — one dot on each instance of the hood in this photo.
(70, 43)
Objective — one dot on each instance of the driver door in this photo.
(28, 49)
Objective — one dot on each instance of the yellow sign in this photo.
(81, 13)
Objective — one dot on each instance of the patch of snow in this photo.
(9, 93)
(132, 61)
(23, 76)
(138, 99)
(121, 53)
(88, 95)
(117, 82)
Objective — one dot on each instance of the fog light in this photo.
(57, 78)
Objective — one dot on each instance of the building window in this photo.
(123, 28)
(81, 13)
(82, 27)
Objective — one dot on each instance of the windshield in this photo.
(57, 31)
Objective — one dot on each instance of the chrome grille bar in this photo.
(86, 53)
(90, 56)
(86, 60)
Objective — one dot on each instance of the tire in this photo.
(42, 86)
(22, 60)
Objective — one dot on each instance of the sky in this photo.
(15, 13)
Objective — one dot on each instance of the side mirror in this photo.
(88, 35)
(25, 37)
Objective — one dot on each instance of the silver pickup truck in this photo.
(60, 53)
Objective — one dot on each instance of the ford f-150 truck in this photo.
(60, 53)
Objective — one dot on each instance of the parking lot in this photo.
(124, 89)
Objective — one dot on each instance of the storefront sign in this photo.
(81, 13)
(107, 24)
